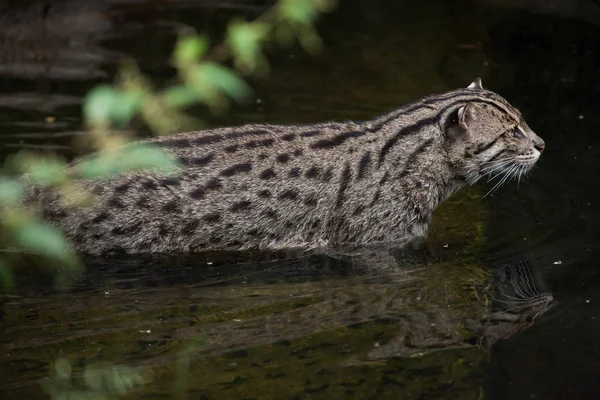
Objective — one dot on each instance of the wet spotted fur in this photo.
(310, 186)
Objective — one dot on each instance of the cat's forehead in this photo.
(501, 107)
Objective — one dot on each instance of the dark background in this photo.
(543, 56)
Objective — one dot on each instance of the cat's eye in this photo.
(517, 133)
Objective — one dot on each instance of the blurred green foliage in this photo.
(203, 77)
(100, 381)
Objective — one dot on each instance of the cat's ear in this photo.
(476, 84)
(466, 115)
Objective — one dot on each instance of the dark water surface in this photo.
(436, 322)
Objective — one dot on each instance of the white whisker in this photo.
(507, 174)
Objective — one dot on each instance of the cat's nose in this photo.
(539, 145)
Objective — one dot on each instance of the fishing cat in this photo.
(274, 187)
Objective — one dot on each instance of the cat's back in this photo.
(240, 187)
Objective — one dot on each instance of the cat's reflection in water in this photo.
(519, 299)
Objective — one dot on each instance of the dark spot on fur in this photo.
(289, 224)
(298, 152)
(310, 200)
(270, 213)
(312, 172)
(260, 143)
(262, 156)
(497, 155)
(127, 229)
(336, 140)
(212, 217)
(345, 180)
(240, 206)
(294, 172)
(364, 164)
(197, 193)
(264, 194)
(170, 182)
(237, 169)
(115, 202)
(241, 133)
(163, 230)
(376, 197)
(213, 184)
(358, 210)
(170, 206)
(199, 161)
(122, 188)
(142, 202)
(283, 158)
(231, 149)
(149, 185)
(409, 165)
(289, 194)
(254, 232)
(288, 137)
(208, 139)
(268, 174)
(483, 147)
(384, 179)
(100, 217)
(406, 131)
(327, 175)
(190, 226)
(311, 133)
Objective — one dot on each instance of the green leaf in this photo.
(245, 42)
(11, 191)
(131, 158)
(298, 11)
(181, 96)
(285, 35)
(105, 105)
(38, 236)
(46, 171)
(146, 156)
(188, 50)
(62, 369)
(127, 106)
(309, 40)
(223, 79)
(99, 104)
(92, 378)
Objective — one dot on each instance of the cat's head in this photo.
(490, 137)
